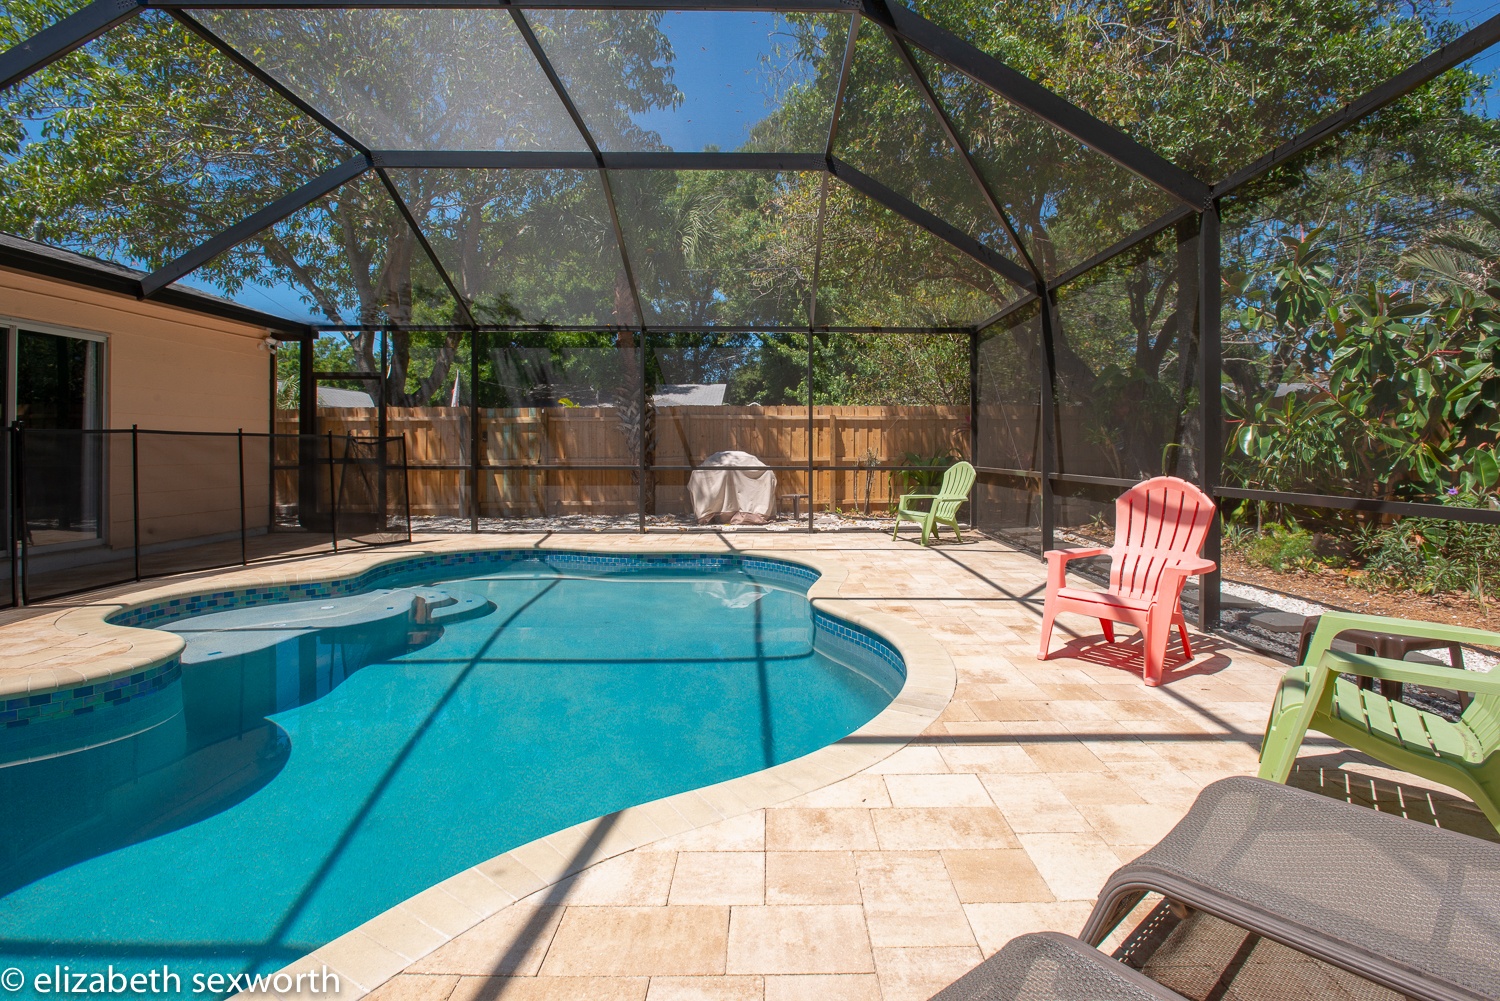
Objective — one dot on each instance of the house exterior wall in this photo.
(166, 369)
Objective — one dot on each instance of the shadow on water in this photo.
(763, 684)
(202, 745)
(276, 941)
(217, 747)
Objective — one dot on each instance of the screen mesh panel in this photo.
(698, 80)
(349, 257)
(1067, 202)
(720, 247)
(1126, 356)
(1358, 286)
(145, 143)
(409, 79)
(524, 246)
(729, 392)
(878, 269)
(564, 399)
(889, 130)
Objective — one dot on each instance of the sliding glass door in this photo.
(56, 392)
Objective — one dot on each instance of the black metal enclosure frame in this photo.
(1197, 204)
(323, 464)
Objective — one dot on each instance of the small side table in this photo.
(1391, 646)
(796, 500)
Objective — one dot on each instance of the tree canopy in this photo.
(148, 140)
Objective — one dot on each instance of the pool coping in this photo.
(373, 952)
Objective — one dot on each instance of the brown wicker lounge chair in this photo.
(1410, 907)
(1046, 966)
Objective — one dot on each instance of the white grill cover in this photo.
(735, 484)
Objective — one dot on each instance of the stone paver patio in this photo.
(1037, 780)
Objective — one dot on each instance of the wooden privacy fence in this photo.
(685, 436)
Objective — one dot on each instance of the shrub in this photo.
(1432, 555)
(1282, 549)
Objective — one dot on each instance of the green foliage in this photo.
(1391, 394)
(876, 370)
(1433, 555)
(1284, 549)
(1208, 85)
(922, 474)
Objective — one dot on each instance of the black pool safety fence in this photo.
(86, 509)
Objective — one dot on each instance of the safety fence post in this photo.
(135, 496)
(240, 439)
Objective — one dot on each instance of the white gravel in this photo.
(1271, 599)
(1473, 659)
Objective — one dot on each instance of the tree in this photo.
(146, 141)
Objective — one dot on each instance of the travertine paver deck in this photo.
(1036, 781)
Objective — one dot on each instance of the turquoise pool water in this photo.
(318, 762)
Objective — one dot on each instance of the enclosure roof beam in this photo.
(580, 160)
(416, 229)
(1026, 93)
(247, 228)
(540, 55)
(990, 201)
(1465, 47)
(833, 131)
(57, 40)
(945, 231)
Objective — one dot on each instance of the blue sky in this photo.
(719, 67)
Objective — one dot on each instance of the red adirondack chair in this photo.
(1160, 526)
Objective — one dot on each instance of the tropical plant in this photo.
(1465, 254)
(923, 473)
(1434, 555)
(1388, 393)
(1283, 548)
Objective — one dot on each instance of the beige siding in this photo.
(169, 369)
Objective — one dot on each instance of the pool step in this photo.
(240, 631)
(437, 606)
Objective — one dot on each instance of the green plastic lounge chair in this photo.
(1405, 905)
(943, 509)
(1461, 755)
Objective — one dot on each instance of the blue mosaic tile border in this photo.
(848, 642)
(426, 566)
(857, 641)
(26, 710)
(159, 613)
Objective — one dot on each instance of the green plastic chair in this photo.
(952, 492)
(1461, 755)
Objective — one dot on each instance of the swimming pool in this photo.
(313, 763)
